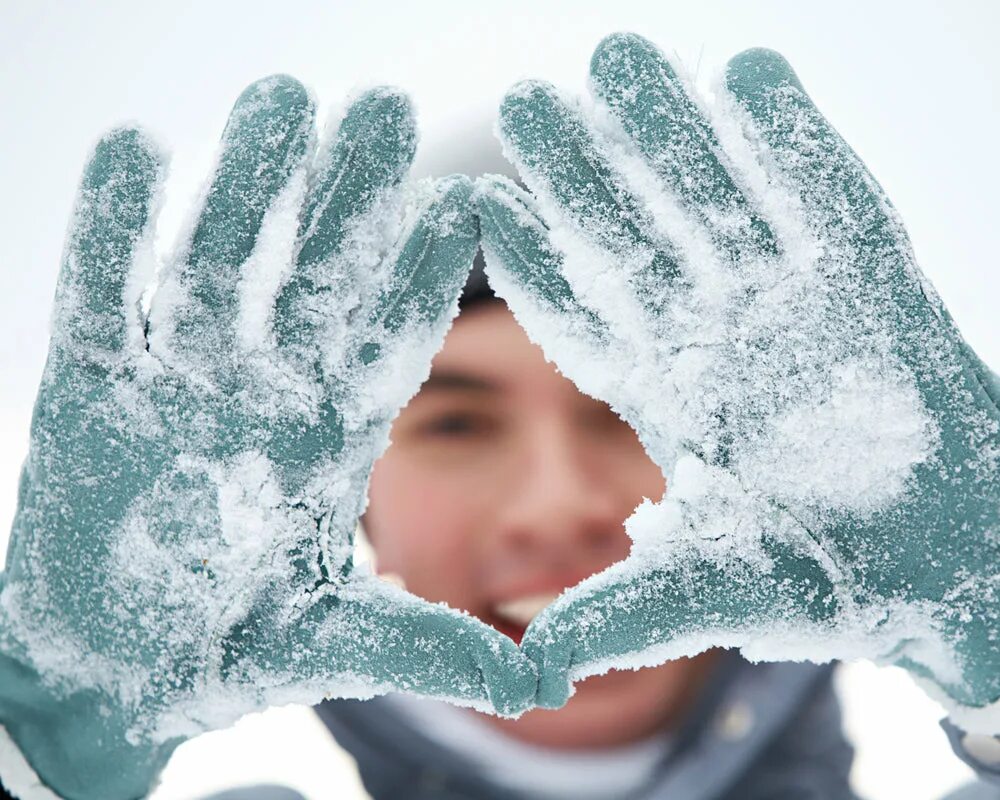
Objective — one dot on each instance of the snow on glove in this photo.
(181, 552)
(745, 296)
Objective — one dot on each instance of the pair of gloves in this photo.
(730, 279)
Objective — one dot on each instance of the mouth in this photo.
(512, 617)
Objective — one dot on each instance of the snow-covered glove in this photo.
(736, 284)
(181, 552)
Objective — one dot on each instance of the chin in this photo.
(611, 710)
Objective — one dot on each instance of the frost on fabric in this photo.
(91, 328)
(810, 394)
(196, 492)
(865, 412)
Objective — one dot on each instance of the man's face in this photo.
(503, 486)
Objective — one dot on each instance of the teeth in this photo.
(524, 609)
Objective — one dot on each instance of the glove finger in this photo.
(559, 157)
(519, 254)
(265, 143)
(407, 321)
(368, 158)
(644, 92)
(432, 266)
(841, 199)
(635, 615)
(97, 300)
(527, 270)
(372, 637)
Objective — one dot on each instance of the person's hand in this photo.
(181, 552)
(743, 294)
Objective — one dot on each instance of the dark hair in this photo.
(477, 289)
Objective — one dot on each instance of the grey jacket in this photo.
(788, 745)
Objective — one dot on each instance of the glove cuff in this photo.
(80, 748)
(16, 774)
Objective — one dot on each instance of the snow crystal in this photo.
(865, 412)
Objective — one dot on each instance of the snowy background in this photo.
(912, 85)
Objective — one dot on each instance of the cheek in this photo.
(635, 476)
(422, 526)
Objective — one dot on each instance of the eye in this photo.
(458, 425)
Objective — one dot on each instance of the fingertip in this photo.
(757, 70)
(618, 49)
(531, 117)
(129, 137)
(278, 92)
(499, 202)
(456, 188)
(388, 99)
(525, 90)
(500, 186)
(389, 113)
(552, 660)
(523, 100)
(271, 110)
(450, 212)
(510, 680)
(125, 151)
(486, 189)
(554, 688)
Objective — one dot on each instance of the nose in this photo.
(562, 514)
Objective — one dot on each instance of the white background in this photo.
(910, 84)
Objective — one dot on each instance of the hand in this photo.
(181, 553)
(735, 283)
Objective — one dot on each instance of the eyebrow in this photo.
(451, 380)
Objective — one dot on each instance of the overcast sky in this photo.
(912, 85)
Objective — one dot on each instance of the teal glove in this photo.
(181, 553)
(744, 295)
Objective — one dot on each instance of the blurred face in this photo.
(503, 486)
